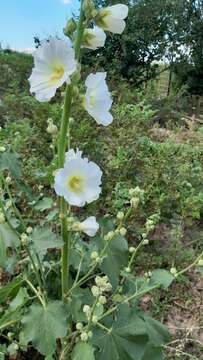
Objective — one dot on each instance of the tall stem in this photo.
(61, 158)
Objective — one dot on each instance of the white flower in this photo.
(97, 99)
(94, 38)
(54, 62)
(112, 18)
(79, 180)
(89, 226)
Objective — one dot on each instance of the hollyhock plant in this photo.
(78, 181)
(54, 62)
(96, 313)
(97, 100)
(112, 18)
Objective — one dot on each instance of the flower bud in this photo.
(128, 269)
(95, 291)
(102, 300)
(123, 231)
(84, 336)
(173, 271)
(8, 180)
(109, 236)
(94, 319)
(79, 326)
(29, 230)
(120, 215)
(90, 334)
(88, 8)
(132, 249)
(71, 121)
(52, 129)
(2, 149)
(94, 255)
(86, 309)
(134, 202)
(24, 239)
(70, 28)
(200, 262)
(145, 242)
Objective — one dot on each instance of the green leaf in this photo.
(10, 290)
(44, 204)
(20, 299)
(162, 277)
(8, 236)
(43, 327)
(83, 351)
(116, 258)
(44, 239)
(132, 336)
(10, 161)
(126, 340)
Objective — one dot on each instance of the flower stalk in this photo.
(65, 256)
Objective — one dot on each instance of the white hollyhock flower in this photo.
(94, 38)
(97, 99)
(89, 226)
(54, 62)
(79, 180)
(112, 18)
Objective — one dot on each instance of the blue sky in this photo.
(20, 20)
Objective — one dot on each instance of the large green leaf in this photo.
(10, 161)
(132, 336)
(42, 327)
(44, 239)
(127, 340)
(83, 351)
(8, 236)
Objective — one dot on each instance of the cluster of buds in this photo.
(145, 241)
(120, 215)
(109, 236)
(24, 238)
(95, 257)
(151, 222)
(84, 335)
(103, 284)
(136, 195)
(51, 128)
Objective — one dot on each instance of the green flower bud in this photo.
(70, 28)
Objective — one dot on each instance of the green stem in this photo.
(61, 158)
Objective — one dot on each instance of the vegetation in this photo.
(151, 152)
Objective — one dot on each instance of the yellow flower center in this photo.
(76, 184)
(57, 74)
